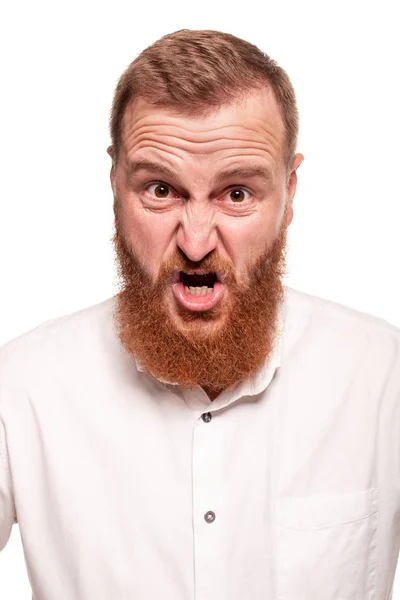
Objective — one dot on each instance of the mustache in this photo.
(212, 263)
(131, 271)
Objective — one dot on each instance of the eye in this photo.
(159, 190)
(238, 195)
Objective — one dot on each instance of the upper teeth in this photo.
(198, 290)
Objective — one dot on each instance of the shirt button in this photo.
(206, 417)
(209, 517)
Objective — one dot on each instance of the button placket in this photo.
(207, 489)
(209, 517)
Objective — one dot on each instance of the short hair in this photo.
(198, 71)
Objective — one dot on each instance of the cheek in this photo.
(246, 241)
(149, 235)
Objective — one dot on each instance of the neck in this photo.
(212, 393)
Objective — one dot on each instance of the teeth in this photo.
(198, 290)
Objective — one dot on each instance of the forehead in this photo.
(251, 127)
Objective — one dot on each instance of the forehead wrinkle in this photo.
(248, 152)
(261, 135)
(256, 119)
(131, 119)
(156, 127)
(154, 146)
(206, 137)
(226, 139)
(217, 147)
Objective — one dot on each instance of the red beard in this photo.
(214, 349)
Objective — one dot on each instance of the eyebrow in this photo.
(244, 172)
(147, 165)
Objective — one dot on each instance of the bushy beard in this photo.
(214, 349)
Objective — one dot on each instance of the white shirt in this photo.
(291, 491)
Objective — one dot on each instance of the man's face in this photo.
(202, 206)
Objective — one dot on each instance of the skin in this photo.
(199, 214)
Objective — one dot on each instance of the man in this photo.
(207, 433)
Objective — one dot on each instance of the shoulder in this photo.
(332, 314)
(58, 339)
(332, 329)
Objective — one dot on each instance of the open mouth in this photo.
(198, 284)
(197, 291)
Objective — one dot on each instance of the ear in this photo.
(291, 186)
(110, 151)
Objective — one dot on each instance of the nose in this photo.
(197, 235)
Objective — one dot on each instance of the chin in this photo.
(204, 323)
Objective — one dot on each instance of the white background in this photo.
(60, 63)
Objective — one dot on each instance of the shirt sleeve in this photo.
(7, 507)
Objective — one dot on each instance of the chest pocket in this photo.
(327, 546)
